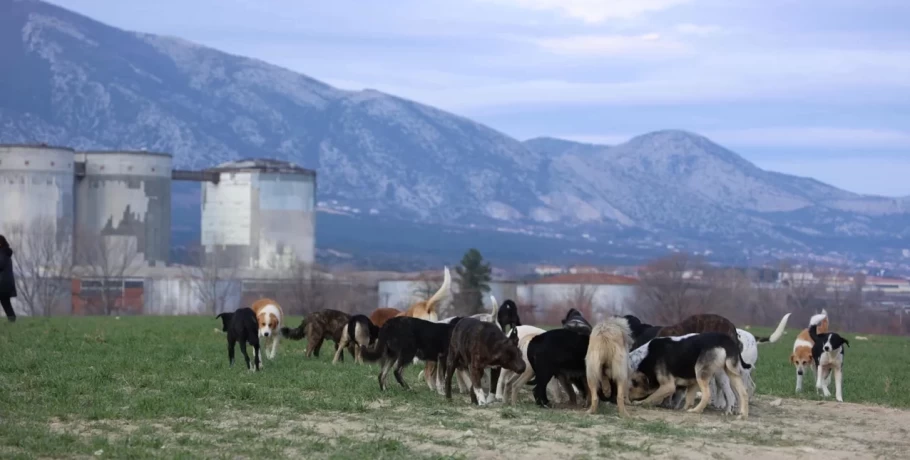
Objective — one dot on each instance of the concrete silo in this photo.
(260, 214)
(124, 198)
(36, 193)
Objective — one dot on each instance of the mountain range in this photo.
(70, 80)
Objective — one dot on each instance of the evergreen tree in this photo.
(473, 283)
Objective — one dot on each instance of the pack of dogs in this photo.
(620, 360)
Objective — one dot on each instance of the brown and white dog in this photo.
(269, 317)
(802, 350)
(426, 309)
(381, 315)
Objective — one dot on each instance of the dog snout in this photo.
(266, 333)
(827, 347)
(799, 372)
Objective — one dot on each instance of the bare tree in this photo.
(306, 288)
(211, 281)
(43, 265)
(581, 298)
(668, 289)
(107, 259)
(426, 285)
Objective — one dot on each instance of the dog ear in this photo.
(846, 342)
(793, 359)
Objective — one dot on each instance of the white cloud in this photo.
(824, 137)
(698, 30)
(610, 45)
(596, 11)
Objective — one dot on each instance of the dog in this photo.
(242, 326)
(507, 314)
(402, 339)
(381, 315)
(575, 321)
(828, 356)
(359, 331)
(558, 353)
(270, 317)
(476, 345)
(608, 357)
(723, 396)
(802, 357)
(319, 326)
(641, 332)
(462, 378)
(510, 382)
(427, 309)
(691, 360)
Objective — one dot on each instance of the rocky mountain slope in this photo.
(69, 80)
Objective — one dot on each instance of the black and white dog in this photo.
(242, 326)
(690, 360)
(828, 354)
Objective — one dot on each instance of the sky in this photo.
(817, 88)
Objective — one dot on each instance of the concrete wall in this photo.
(254, 219)
(36, 193)
(126, 195)
(176, 296)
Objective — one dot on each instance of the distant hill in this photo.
(78, 82)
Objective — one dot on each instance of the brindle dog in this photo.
(476, 345)
(319, 326)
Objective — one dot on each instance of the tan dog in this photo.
(608, 357)
(802, 351)
(381, 315)
(269, 316)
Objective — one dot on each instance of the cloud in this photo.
(698, 30)
(781, 137)
(595, 11)
(610, 45)
(826, 137)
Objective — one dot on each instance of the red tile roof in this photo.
(587, 278)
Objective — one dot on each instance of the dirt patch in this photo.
(776, 429)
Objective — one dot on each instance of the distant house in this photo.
(582, 269)
(546, 270)
(401, 293)
(887, 285)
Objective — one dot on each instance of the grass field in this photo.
(161, 387)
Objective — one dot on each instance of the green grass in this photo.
(152, 387)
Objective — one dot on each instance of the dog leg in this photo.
(231, 344)
(729, 399)
(821, 382)
(274, 339)
(246, 357)
(495, 376)
(429, 374)
(504, 377)
(384, 371)
(705, 393)
(569, 388)
(593, 389)
(740, 388)
(477, 386)
(464, 381)
(690, 396)
(398, 369)
(257, 357)
(622, 397)
(838, 384)
(665, 389)
(540, 389)
(339, 350)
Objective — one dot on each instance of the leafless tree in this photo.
(107, 259)
(43, 265)
(212, 282)
(581, 298)
(668, 289)
(306, 288)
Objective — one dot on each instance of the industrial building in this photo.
(260, 214)
(256, 214)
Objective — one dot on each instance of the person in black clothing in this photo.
(7, 279)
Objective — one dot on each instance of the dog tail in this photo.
(744, 364)
(494, 314)
(225, 320)
(376, 352)
(778, 333)
(297, 333)
(819, 321)
(442, 292)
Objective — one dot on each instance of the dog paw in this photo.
(694, 410)
(840, 399)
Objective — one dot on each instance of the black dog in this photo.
(402, 338)
(575, 321)
(642, 333)
(508, 315)
(242, 326)
(476, 345)
(558, 353)
(828, 354)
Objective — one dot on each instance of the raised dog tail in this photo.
(226, 318)
(778, 333)
(298, 333)
(818, 324)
